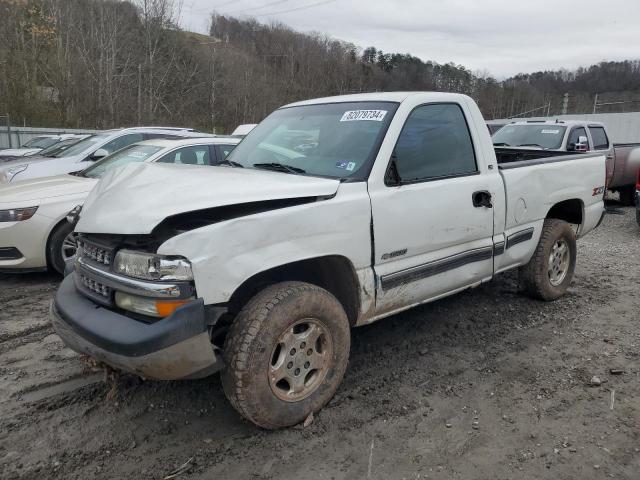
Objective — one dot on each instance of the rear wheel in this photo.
(285, 354)
(63, 244)
(549, 272)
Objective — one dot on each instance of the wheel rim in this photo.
(69, 246)
(559, 260)
(300, 360)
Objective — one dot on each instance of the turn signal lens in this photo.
(167, 307)
(148, 306)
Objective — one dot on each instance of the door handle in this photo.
(481, 199)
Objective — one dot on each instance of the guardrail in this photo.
(13, 136)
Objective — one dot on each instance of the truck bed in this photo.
(506, 155)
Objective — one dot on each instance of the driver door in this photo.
(433, 229)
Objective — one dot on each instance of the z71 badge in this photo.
(598, 191)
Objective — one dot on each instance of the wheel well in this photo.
(53, 229)
(569, 210)
(333, 273)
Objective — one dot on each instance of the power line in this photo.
(257, 8)
(213, 7)
(295, 9)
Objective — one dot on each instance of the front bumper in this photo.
(176, 347)
(29, 237)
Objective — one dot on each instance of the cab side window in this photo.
(434, 143)
(574, 138)
(123, 141)
(194, 155)
(599, 136)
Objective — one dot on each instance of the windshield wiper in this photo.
(530, 145)
(279, 167)
(501, 144)
(231, 163)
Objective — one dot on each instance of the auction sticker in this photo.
(553, 132)
(359, 115)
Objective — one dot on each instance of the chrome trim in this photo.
(136, 287)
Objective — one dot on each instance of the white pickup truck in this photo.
(332, 213)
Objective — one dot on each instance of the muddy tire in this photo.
(285, 354)
(550, 271)
(60, 246)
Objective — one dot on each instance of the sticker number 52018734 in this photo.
(357, 115)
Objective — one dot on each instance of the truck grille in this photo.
(95, 253)
(95, 286)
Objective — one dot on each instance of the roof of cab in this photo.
(397, 97)
(559, 121)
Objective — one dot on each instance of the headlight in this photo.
(148, 266)
(11, 172)
(74, 215)
(17, 214)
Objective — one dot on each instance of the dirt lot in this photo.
(484, 385)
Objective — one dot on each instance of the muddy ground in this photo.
(487, 384)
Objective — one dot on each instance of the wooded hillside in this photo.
(105, 63)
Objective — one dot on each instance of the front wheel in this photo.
(549, 272)
(63, 244)
(285, 354)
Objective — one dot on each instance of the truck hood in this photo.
(134, 199)
(41, 188)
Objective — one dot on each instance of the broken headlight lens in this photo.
(149, 266)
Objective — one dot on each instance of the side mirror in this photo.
(98, 154)
(582, 145)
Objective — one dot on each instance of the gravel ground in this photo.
(486, 384)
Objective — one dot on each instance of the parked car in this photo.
(48, 152)
(260, 270)
(623, 160)
(90, 149)
(34, 233)
(37, 144)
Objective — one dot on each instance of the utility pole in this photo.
(565, 104)
(595, 103)
(139, 94)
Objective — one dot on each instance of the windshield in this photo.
(336, 140)
(131, 154)
(81, 146)
(542, 135)
(58, 147)
(40, 142)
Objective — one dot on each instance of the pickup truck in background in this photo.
(571, 136)
(332, 213)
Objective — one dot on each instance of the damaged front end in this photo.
(135, 310)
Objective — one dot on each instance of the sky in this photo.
(498, 37)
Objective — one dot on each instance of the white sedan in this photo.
(34, 232)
